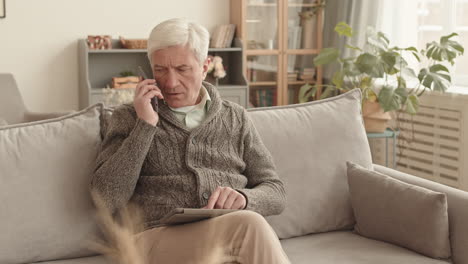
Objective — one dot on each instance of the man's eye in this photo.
(183, 69)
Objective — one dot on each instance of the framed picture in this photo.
(2, 9)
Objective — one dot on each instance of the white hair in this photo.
(179, 31)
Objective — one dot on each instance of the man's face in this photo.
(179, 75)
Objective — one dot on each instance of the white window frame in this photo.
(406, 32)
(449, 9)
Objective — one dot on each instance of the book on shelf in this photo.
(292, 76)
(222, 36)
(264, 97)
(307, 74)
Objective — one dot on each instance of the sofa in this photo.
(340, 208)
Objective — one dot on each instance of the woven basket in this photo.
(133, 43)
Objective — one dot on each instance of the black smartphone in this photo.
(154, 100)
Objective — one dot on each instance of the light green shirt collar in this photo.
(192, 116)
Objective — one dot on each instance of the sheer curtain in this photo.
(359, 14)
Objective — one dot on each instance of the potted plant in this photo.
(386, 79)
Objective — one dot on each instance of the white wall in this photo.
(38, 39)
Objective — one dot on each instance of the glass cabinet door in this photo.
(300, 70)
(301, 19)
(262, 75)
(262, 24)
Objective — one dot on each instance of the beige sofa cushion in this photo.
(45, 168)
(310, 144)
(347, 247)
(400, 213)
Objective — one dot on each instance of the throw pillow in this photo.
(393, 211)
(310, 144)
(45, 169)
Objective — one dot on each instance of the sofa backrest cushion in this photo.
(45, 169)
(310, 144)
(12, 107)
(400, 213)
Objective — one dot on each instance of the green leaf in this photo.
(350, 68)
(389, 99)
(344, 29)
(436, 78)
(415, 52)
(327, 93)
(369, 95)
(377, 40)
(366, 82)
(411, 49)
(408, 72)
(445, 50)
(305, 92)
(338, 79)
(388, 61)
(412, 104)
(401, 91)
(400, 62)
(353, 47)
(326, 56)
(370, 64)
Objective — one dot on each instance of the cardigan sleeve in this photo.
(264, 192)
(121, 157)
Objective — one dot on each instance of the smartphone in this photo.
(154, 100)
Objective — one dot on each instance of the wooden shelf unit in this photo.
(97, 67)
(266, 27)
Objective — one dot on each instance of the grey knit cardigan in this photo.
(168, 166)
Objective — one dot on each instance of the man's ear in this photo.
(205, 65)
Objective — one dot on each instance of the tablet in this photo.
(188, 215)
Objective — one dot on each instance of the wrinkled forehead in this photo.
(174, 55)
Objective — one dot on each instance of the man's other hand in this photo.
(226, 198)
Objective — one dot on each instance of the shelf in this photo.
(144, 51)
(261, 52)
(262, 83)
(302, 51)
(117, 48)
(101, 90)
(300, 82)
(224, 49)
(302, 5)
(276, 5)
(230, 86)
(263, 5)
(119, 51)
(97, 67)
(388, 133)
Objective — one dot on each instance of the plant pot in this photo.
(375, 119)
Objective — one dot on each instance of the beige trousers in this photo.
(239, 237)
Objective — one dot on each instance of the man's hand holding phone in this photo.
(146, 90)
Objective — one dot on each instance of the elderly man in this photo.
(197, 151)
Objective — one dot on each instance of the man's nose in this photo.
(171, 81)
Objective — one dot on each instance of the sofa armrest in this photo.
(457, 210)
(37, 116)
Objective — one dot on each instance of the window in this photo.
(441, 17)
